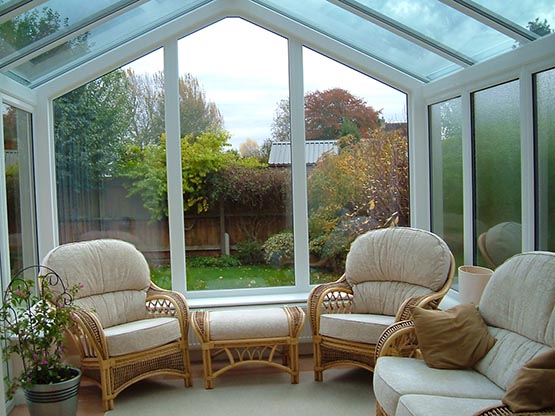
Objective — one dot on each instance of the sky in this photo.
(243, 69)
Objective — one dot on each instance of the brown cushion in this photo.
(455, 338)
(534, 385)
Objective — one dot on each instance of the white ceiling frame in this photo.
(405, 32)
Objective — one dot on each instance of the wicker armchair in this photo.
(387, 271)
(128, 328)
(404, 384)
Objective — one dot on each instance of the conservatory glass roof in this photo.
(426, 39)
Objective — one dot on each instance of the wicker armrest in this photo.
(429, 301)
(89, 335)
(503, 410)
(334, 297)
(162, 302)
(398, 340)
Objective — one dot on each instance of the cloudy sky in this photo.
(244, 70)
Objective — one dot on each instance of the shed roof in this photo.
(280, 152)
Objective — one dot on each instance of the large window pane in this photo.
(545, 136)
(496, 134)
(447, 174)
(237, 208)
(357, 160)
(19, 188)
(110, 161)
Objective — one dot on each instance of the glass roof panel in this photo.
(365, 36)
(446, 26)
(48, 19)
(523, 12)
(100, 39)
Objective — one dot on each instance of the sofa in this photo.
(517, 310)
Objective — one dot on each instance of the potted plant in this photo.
(33, 325)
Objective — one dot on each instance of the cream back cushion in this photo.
(383, 298)
(520, 297)
(114, 274)
(510, 352)
(395, 263)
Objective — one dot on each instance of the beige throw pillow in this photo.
(534, 385)
(455, 338)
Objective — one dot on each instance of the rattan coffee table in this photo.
(268, 336)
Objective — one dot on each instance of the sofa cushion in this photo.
(511, 351)
(384, 298)
(425, 405)
(520, 297)
(397, 376)
(455, 338)
(534, 385)
(355, 327)
(141, 335)
(400, 254)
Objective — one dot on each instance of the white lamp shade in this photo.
(472, 281)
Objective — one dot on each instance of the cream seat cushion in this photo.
(365, 328)
(425, 405)
(141, 335)
(249, 323)
(396, 376)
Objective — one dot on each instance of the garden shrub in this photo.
(249, 252)
(279, 248)
(208, 261)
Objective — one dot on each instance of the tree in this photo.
(91, 124)
(147, 103)
(539, 27)
(281, 125)
(197, 114)
(329, 114)
(144, 169)
(250, 148)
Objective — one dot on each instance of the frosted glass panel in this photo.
(447, 174)
(497, 171)
(545, 134)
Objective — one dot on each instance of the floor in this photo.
(90, 399)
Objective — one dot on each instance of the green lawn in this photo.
(237, 277)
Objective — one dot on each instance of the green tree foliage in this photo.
(539, 27)
(202, 157)
(91, 125)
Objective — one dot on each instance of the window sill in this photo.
(298, 298)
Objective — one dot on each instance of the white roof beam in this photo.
(492, 19)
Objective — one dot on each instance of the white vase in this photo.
(472, 281)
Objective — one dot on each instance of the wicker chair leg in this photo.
(379, 410)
